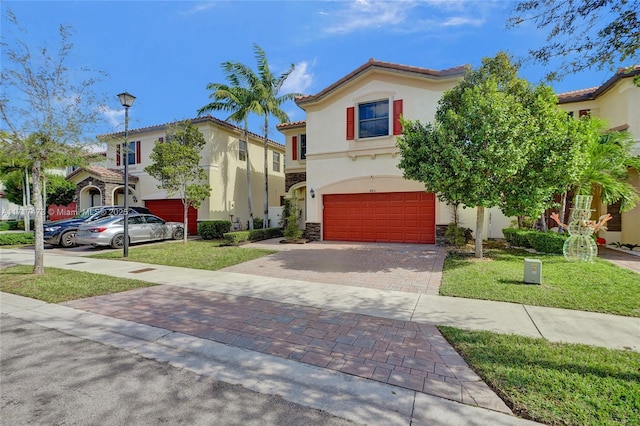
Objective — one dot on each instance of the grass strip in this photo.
(598, 286)
(553, 383)
(61, 285)
(199, 254)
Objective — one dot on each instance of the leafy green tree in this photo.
(240, 102)
(486, 131)
(175, 163)
(59, 190)
(265, 87)
(46, 109)
(585, 33)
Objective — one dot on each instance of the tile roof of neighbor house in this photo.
(291, 125)
(372, 64)
(594, 92)
(111, 175)
(197, 120)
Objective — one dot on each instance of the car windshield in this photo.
(107, 220)
(85, 214)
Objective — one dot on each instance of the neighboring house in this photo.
(342, 161)
(223, 159)
(617, 101)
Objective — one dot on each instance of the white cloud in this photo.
(299, 80)
(405, 15)
(199, 7)
(115, 117)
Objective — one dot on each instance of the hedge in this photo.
(16, 238)
(544, 242)
(254, 235)
(213, 229)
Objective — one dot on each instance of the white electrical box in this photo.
(532, 271)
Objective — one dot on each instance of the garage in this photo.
(397, 217)
(173, 211)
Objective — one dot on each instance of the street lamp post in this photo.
(126, 99)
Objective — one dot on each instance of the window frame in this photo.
(274, 162)
(302, 153)
(242, 153)
(386, 118)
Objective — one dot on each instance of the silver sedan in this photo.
(142, 228)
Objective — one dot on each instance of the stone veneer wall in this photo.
(440, 231)
(291, 179)
(312, 231)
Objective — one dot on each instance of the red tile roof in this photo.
(594, 92)
(197, 120)
(389, 66)
(292, 124)
(105, 174)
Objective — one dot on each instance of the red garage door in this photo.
(173, 211)
(398, 217)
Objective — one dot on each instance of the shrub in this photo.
(17, 238)
(517, 237)
(213, 229)
(254, 235)
(13, 225)
(258, 223)
(4, 226)
(547, 242)
(457, 236)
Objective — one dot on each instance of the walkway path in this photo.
(331, 331)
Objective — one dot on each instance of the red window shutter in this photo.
(294, 147)
(118, 155)
(351, 112)
(137, 152)
(397, 112)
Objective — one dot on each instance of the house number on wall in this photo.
(372, 190)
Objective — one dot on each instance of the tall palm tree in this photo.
(240, 102)
(266, 88)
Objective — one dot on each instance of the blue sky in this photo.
(165, 52)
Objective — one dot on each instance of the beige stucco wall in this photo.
(226, 174)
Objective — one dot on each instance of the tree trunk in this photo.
(38, 266)
(249, 197)
(185, 213)
(564, 210)
(543, 218)
(520, 218)
(266, 173)
(479, 225)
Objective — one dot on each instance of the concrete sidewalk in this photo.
(314, 382)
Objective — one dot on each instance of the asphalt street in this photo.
(50, 378)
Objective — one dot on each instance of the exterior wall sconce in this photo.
(313, 193)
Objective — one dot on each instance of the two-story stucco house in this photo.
(224, 159)
(342, 161)
(617, 101)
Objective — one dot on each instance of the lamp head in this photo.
(126, 99)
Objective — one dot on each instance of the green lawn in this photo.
(556, 384)
(198, 254)
(60, 285)
(596, 287)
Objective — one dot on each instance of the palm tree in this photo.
(265, 87)
(240, 102)
(607, 172)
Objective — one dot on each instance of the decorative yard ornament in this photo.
(581, 245)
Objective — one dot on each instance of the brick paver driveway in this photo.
(414, 268)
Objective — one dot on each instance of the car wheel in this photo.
(178, 234)
(68, 239)
(118, 241)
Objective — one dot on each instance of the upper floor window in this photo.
(584, 112)
(299, 147)
(242, 151)
(276, 161)
(132, 155)
(373, 119)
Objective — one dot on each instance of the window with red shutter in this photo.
(294, 147)
(351, 123)
(397, 112)
(138, 156)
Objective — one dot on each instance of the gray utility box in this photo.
(532, 271)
